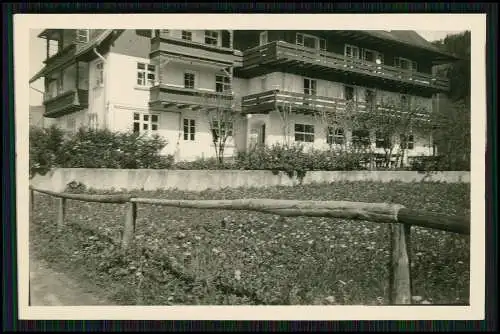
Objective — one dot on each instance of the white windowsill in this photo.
(137, 87)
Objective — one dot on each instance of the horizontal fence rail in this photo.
(400, 218)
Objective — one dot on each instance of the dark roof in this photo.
(80, 51)
(410, 38)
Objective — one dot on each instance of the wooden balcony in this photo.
(66, 103)
(265, 102)
(170, 97)
(283, 55)
(172, 47)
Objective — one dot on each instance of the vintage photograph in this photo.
(242, 167)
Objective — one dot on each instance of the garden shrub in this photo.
(95, 149)
(44, 149)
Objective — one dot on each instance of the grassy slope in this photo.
(281, 260)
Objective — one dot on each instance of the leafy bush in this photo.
(44, 148)
(437, 163)
(106, 149)
(95, 149)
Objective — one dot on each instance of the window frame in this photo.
(224, 81)
(86, 36)
(352, 47)
(353, 92)
(227, 126)
(141, 121)
(382, 140)
(408, 142)
(189, 129)
(186, 73)
(185, 34)
(215, 38)
(303, 135)
(332, 136)
(312, 82)
(145, 73)
(361, 141)
(300, 39)
(413, 65)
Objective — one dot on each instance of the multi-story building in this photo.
(164, 81)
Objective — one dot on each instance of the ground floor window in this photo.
(145, 122)
(189, 129)
(407, 141)
(221, 129)
(382, 140)
(361, 138)
(335, 136)
(304, 133)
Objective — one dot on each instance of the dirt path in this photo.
(51, 288)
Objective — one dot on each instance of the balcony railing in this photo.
(268, 101)
(176, 47)
(167, 96)
(66, 102)
(282, 53)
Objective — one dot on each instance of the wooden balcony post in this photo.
(400, 285)
(231, 39)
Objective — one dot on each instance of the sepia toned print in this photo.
(237, 167)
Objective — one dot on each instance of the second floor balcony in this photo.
(281, 55)
(62, 103)
(164, 96)
(272, 100)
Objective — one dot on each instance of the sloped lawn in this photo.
(262, 258)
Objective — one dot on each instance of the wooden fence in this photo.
(400, 217)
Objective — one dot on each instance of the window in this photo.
(82, 35)
(304, 133)
(99, 74)
(53, 47)
(351, 51)
(189, 129)
(146, 74)
(349, 93)
(222, 83)
(372, 56)
(221, 129)
(310, 86)
(187, 35)
(405, 64)
(310, 41)
(189, 80)
(263, 38)
(322, 44)
(382, 140)
(145, 123)
(211, 37)
(335, 136)
(406, 141)
(361, 138)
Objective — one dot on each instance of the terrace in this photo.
(268, 101)
(66, 102)
(280, 54)
(168, 96)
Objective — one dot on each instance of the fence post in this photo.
(129, 227)
(400, 265)
(61, 210)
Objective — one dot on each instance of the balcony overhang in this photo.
(66, 103)
(269, 101)
(170, 98)
(410, 42)
(278, 56)
(191, 51)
